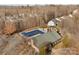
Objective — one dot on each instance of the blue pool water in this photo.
(32, 33)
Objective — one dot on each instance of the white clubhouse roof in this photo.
(70, 15)
(51, 23)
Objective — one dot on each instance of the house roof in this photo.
(46, 38)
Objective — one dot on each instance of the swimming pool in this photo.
(32, 33)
